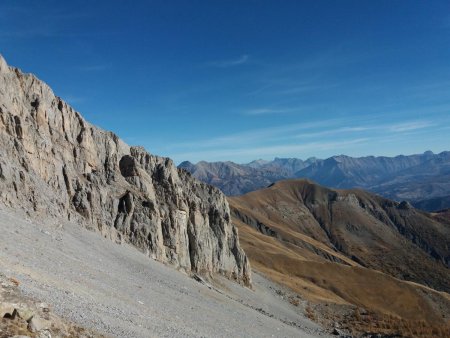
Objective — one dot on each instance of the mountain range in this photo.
(422, 179)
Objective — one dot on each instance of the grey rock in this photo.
(44, 334)
(36, 324)
(25, 313)
(55, 164)
(8, 311)
(336, 332)
(340, 333)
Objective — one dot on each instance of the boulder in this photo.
(37, 324)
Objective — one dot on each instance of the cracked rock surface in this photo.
(54, 164)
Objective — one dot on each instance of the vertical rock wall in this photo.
(55, 164)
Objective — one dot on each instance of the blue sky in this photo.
(242, 80)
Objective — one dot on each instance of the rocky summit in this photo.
(55, 164)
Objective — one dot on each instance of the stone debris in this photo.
(23, 317)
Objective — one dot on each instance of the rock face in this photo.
(54, 163)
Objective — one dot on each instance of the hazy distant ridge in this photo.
(413, 178)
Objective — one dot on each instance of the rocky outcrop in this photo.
(55, 164)
(22, 316)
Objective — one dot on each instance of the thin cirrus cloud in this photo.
(305, 88)
(231, 147)
(280, 132)
(331, 132)
(267, 111)
(277, 141)
(231, 63)
(410, 126)
(37, 21)
(383, 128)
(269, 151)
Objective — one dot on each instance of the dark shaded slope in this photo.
(433, 204)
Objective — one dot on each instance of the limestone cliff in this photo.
(55, 164)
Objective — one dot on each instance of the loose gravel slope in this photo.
(119, 291)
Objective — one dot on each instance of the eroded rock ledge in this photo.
(55, 164)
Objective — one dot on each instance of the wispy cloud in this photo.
(281, 133)
(305, 88)
(230, 63)
(380, 128)
(409, 126)
(335, 135)
(270, 151)
(266, 111)
(331, 132)
(285, 85)
(37, 21)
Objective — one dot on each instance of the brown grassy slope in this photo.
(352, 227)
(442, 216)
(284, 231)
(322, 281)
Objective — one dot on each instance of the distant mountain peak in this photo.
(403, 177)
